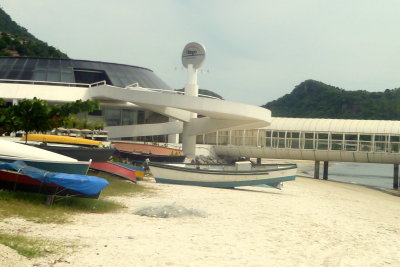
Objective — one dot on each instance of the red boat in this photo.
(114, 169)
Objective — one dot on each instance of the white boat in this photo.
(40, 158)
(243, 173)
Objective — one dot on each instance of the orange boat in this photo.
(141, 152)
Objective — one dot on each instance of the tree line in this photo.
(37, 115)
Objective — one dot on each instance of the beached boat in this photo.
(133, 156)
(223, 176)
(18, 176)
(40, 158)
(141, 152)
(78, 148)
(112, 168)
(139, 172)
(61, 139)
(80, 153)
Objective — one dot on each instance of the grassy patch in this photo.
(28, 247)
(117, 186)
(32, 206)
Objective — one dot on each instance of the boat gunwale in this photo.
(9, 157)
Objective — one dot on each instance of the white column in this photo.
(173, 138)
(191, 89)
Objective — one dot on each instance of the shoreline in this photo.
(309, 222)
(306, 166)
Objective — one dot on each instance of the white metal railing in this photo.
(88, 85)
(135, 86)
(132, 85)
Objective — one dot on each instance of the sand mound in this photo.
(168, 211)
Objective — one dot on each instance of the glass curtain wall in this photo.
(304, 140)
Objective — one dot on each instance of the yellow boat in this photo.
(60, 139)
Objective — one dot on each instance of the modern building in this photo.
(135, 103)
(17, 73)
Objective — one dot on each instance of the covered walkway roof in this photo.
(334, 125)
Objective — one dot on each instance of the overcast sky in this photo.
(257, 50)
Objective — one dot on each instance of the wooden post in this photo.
(326, 165)
(316, 169)
(258, 160)
(396, 176)
(50, 199)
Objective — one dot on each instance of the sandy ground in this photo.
(308, 223)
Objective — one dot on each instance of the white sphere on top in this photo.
(193, 53)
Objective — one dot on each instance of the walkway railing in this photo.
(136, 86)
(86, 85)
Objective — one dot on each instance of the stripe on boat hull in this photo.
(230, 184)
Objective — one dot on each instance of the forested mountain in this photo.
(313, 99)
(17, 41)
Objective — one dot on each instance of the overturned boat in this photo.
(18, 176)
(40, 158)
(115, 169)
(78, 148)
(243, 173)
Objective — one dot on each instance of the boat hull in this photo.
(152, 157)
(82, 153)
(274, 182)
(172, 174)
(41, 159)
(114, 169)
(60, 139)
(20, 182)
(138, 171)
(77, 167)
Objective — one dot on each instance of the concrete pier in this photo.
(316, 169)
(326, 166)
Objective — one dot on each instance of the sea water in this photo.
(370, 174)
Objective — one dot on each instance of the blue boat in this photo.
(16, 175)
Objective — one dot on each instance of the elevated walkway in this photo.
(364, 141)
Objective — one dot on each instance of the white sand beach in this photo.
(308, 223)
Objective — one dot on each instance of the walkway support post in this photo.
(316, 169)
(326, 166)
(396, 176)
(258, 160)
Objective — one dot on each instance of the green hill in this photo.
(313, 99)
(17, 41)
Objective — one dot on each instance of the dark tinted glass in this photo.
(60, 70)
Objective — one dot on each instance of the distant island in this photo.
(17, 41)
(314, 99)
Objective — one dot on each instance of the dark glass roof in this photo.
(77, 71)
